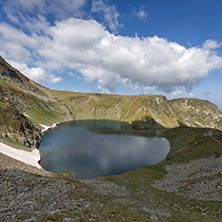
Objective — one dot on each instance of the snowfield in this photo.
(31, 158)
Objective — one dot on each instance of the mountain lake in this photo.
(95, 148)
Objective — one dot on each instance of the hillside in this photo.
(186, 186)
(168, 113)
(24, 107)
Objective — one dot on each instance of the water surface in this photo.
(99, 148)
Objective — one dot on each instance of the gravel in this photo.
(199, 179)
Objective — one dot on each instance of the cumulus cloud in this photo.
(113, 60)
(147, 89)
(36, 73)
(109, 13)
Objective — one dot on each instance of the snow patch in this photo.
(199, 124)
(31, 158)
(26, 115)
(45, 128)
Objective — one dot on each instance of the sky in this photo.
(128, 47)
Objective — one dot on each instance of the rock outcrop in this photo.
(16, 127)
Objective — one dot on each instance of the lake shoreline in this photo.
(66, 145)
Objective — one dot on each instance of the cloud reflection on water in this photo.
(91, 155)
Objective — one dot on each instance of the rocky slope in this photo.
(14, 126)
(197, 113)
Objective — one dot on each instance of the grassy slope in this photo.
(169, 114)
(199, 113)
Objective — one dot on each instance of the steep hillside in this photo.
(14, 126)
(24, 107)
(197, 113)
(11, 75)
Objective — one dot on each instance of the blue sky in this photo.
(128, 47)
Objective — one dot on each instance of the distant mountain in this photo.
(26, 106)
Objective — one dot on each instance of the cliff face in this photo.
(25, 105)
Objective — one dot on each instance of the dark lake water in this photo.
(99, 148)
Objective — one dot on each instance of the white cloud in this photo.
(36, 73)
(65, 8)
(141, 13)
(10, 15)
(211, 44)
(109, 13)
(30, 5)
(176, 92)
(56, 80)
(191, 94)
(11, 34)
(148, 89)
(87, 47)
(103, 90)
(37, 25)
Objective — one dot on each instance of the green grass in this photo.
(190, 143)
